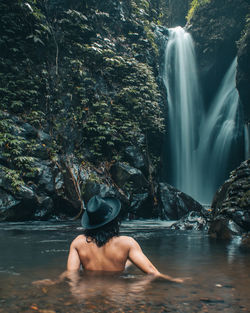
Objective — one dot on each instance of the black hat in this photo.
(100, 211)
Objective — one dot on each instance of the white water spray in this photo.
(180, 79)
(200, 142)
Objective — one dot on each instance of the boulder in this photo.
(45, 179)
(245, 243)
(141, 206)
(128, 177)
(174, 204)
(135, 157)
(7, 201)
(224, 228)
(92, 188)
(44, 209)
(19, 207)
(191, 221)
(231, 202)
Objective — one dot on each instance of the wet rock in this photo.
(124, 174)
(174, 204)
(45, 208)
(7, 201)
(67, 197)
(45, 179)
(14, 209)
(141, 206)
(25, 193)
(192, 221)
(92, 188)
(231, 202)
(245, 243)
(224, 228)
(135, 157)
(4, 182)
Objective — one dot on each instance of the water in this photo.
(31, 251)
(185, 108)
(200, 142)
(219, 131)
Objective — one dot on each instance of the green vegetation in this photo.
(16, 151)
(245, 33)
(195, 4)
(80, 75)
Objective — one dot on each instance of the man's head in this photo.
(100, 219)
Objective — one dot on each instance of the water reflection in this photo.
(127, 288)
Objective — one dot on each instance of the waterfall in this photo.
(247, 140)
(199, 142)
(184, 107)
(218, 133)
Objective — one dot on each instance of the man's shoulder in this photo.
(79, 240)
(126, 240)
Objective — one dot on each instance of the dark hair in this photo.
(103, 234)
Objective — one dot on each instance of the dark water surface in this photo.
(33, 251)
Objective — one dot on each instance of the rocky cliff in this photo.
(220, 31)
(81, 107)
(231, 205)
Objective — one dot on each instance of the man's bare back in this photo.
(111, 257)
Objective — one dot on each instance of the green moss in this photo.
(195, 4)
(245, 33)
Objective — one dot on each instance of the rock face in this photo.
(216, 26)
(245, 243)
(177, 12)
(60, 186)
(174, 204)
(231, 204)
(78, 89)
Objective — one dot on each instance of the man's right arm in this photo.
(139, 259)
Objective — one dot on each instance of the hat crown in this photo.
(98, 210)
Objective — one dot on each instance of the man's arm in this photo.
(73, 266)
(139, 259)
(74, 262)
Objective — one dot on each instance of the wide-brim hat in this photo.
(100, 211)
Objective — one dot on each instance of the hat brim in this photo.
(115, 204)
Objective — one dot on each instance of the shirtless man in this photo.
(100, 248)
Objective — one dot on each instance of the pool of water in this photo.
(36, 250)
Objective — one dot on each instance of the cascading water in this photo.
(200, 142)
(184, 107)
(218, 132)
